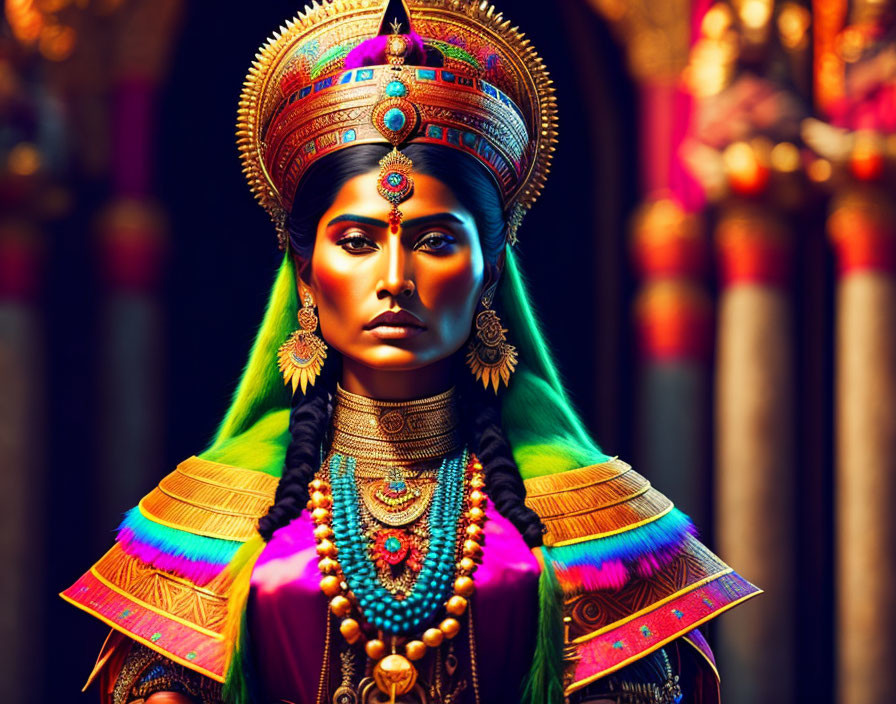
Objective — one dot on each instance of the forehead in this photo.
(359, 195)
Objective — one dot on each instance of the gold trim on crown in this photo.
(492, 97)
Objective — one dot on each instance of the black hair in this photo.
(476, 190)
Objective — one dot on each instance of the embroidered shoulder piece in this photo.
(631, 573)
(164, 582)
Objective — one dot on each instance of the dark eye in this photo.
(435, 242)
(356, 243)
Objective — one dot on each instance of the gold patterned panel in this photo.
(244, 480)
(202, 608)
(396, 432)
(210, 499)
(593, 502)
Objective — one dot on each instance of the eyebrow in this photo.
(428, 219)
(413, 222)
(349, 217)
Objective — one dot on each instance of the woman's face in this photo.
(396, 301)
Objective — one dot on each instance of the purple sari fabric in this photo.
(287, 614)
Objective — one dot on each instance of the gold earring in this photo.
(490, 357)
(302, 356)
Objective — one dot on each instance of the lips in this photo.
(396, 319)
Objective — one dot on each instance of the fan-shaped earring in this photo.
(490, 357)
(302, 356)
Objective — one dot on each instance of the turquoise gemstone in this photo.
(394, 119)
(396, 89)
(392, 544)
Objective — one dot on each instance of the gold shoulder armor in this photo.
(165, 583)
(211, 499)
(594, 502)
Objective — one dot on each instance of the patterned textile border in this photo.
(177, 640)
(615, 646)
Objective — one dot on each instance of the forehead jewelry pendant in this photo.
(396, 118)
(395, 184)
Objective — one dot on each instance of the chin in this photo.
(397, 357)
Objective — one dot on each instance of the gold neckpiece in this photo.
(399, 491)
(385, 434)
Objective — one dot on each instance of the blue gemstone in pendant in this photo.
(392, 544)
(396, 89)
(394, 119)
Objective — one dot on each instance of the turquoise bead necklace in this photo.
(434, 582)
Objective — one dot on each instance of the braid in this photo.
(502, 476)
(308, 420)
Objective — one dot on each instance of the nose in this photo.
(395, 283)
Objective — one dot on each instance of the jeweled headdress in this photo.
(346, 72)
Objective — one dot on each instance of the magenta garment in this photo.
(287, 614)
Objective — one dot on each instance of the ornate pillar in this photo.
(672, 308)
(673, 319)
(754, 508)
(131, 237)
(22, 462)
(862, 226)
(132, 240)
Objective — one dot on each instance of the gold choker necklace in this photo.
(396, 432)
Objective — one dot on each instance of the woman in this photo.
(418, 516)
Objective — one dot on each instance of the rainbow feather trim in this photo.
(609, 562)
(194, 557)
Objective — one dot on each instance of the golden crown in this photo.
(449, 72)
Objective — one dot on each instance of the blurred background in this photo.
(714, 260)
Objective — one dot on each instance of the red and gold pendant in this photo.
(394, 546)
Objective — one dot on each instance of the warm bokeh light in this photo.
(24, 20)
(717, 22)
(710, 69)
(23, 160)
(755, 14)
(40, 23)
(853, 42)
(746, 172)
(867, 158)
(785, 157)
(57, 42)
(793, 26)
(819, 170)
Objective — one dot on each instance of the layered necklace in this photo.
(398, 507)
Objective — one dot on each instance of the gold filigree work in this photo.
(385, 433)
(594, 502)
(290, 114)
(211, 499)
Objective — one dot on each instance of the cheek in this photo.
(451, 292)
(340, 285)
